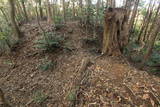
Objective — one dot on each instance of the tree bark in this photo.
(64, 11)
(49, 12)
(140, 38)
(13, 22)
(40, 8)
(153, 22)
(24, 10)
(115, 35)
(4, 14)
(154, 34)
(133, 15)
(73, 9)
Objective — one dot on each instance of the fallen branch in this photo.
(154, 97)
(80, 81)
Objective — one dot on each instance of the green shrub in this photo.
(39, 97)
(50, 42)
(5, 36)
(46, 65)
(154, 59)
(71, 96)
(154, 70)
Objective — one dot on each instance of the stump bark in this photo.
(116, 31)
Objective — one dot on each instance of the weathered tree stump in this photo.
(116, 31)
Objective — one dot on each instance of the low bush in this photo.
(47, 65)
(39, 97)
(50, 42)
(6, 41)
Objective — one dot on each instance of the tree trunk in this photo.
(18, 10)
(24, 10)
(49, 12)
(152, 26)
(4, 14)
(13, 22)
(97, 8)
(89, 3)
(40, 9)
(115, 31)
(145, 19)
(154, 34)
(81, 10)
(73, 9)
(64, 11)
(133, 15)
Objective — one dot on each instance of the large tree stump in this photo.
(116, 31)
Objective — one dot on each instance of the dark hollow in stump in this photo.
(115, 36)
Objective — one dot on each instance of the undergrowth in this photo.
(50, 42)
(7, 39)
(39, 97)
(47, 65)
(137, 54)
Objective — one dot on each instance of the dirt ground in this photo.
(111, 82)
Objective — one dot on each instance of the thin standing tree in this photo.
(24, 9)
(15, 27)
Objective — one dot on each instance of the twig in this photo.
(29, 102)
(133, 96)
(153, 96)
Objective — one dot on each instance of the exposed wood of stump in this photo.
(116, 31)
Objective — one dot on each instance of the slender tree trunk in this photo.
(40, 8)
(64, 11)
(155, 17)
(144, 34)
(81, 9)
(97, 8)
(133, 15)
(113, 3)
(24, 10)
(154, 34)
(140, 38)
(4, 14)
(89, 3)
(49, 12)
(18, 10)
(13, 22)
(136, 20)
(73, 9)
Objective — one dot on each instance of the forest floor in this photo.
(109, 81)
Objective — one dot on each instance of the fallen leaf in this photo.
(145, 96)
(152, 102)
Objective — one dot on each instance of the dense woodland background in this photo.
(136, 23)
